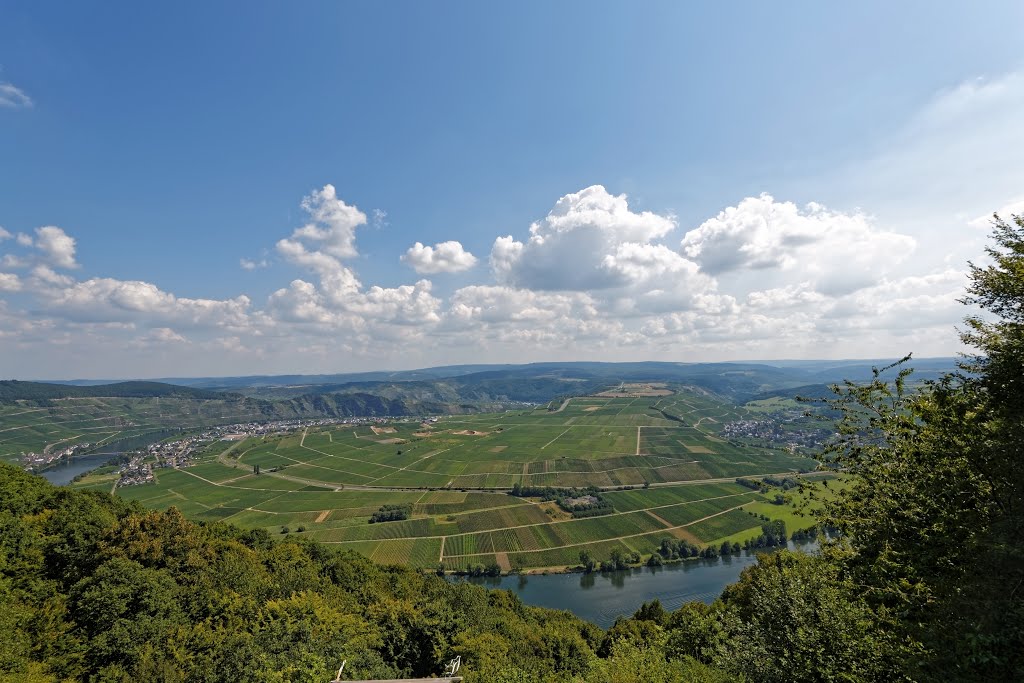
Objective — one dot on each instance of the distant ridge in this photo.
(14, 390)
(447, 387)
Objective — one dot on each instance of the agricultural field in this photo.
(660, 460)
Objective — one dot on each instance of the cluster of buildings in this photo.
(776, 432)
(137, 471)
(35, 462)
(183, 452)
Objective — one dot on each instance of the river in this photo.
(602, 597)
(63, 473)
(67, 470)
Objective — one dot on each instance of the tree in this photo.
(617, 560)
(793, 617)
(652, 611)
(933, 526)
(587, 560)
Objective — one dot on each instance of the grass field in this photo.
(455, 473)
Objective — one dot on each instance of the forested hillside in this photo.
(13, 390)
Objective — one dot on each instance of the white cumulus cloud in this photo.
(9, 282)
(499, 304)
(43, 276)
(340, 301)
(1014, 207)
(108, 299)
(13, 97)
(160, 336)
(251, 264)
(566, 250)
(445, 257)
(58, 247)
(332, 229)
(838, 251)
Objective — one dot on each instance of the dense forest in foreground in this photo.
(923, 582)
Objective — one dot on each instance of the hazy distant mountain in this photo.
(13, 390)
(456, 385)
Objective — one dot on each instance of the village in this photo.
(788, 432)
(137, 465)
(181, 453)
(37, 462)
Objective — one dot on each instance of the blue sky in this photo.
(706, 183)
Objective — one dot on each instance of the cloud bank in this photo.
(595, 276)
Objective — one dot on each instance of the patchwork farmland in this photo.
(661, 462)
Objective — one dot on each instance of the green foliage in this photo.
(652, 611)
(94, 588)
(785, 483)
(794, 618)
(587, 561)
(391, 513)
(932, 527)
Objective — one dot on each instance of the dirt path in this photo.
(440, 557)
(342, 457)
(271, 475)
(222, 457)
(555, 439)
(30, 410)
(47, 447)
(562, 407)
(323, 516)
(321, 467)
(403, 469)
(109, 438)
(638, 440)
(668, 524)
